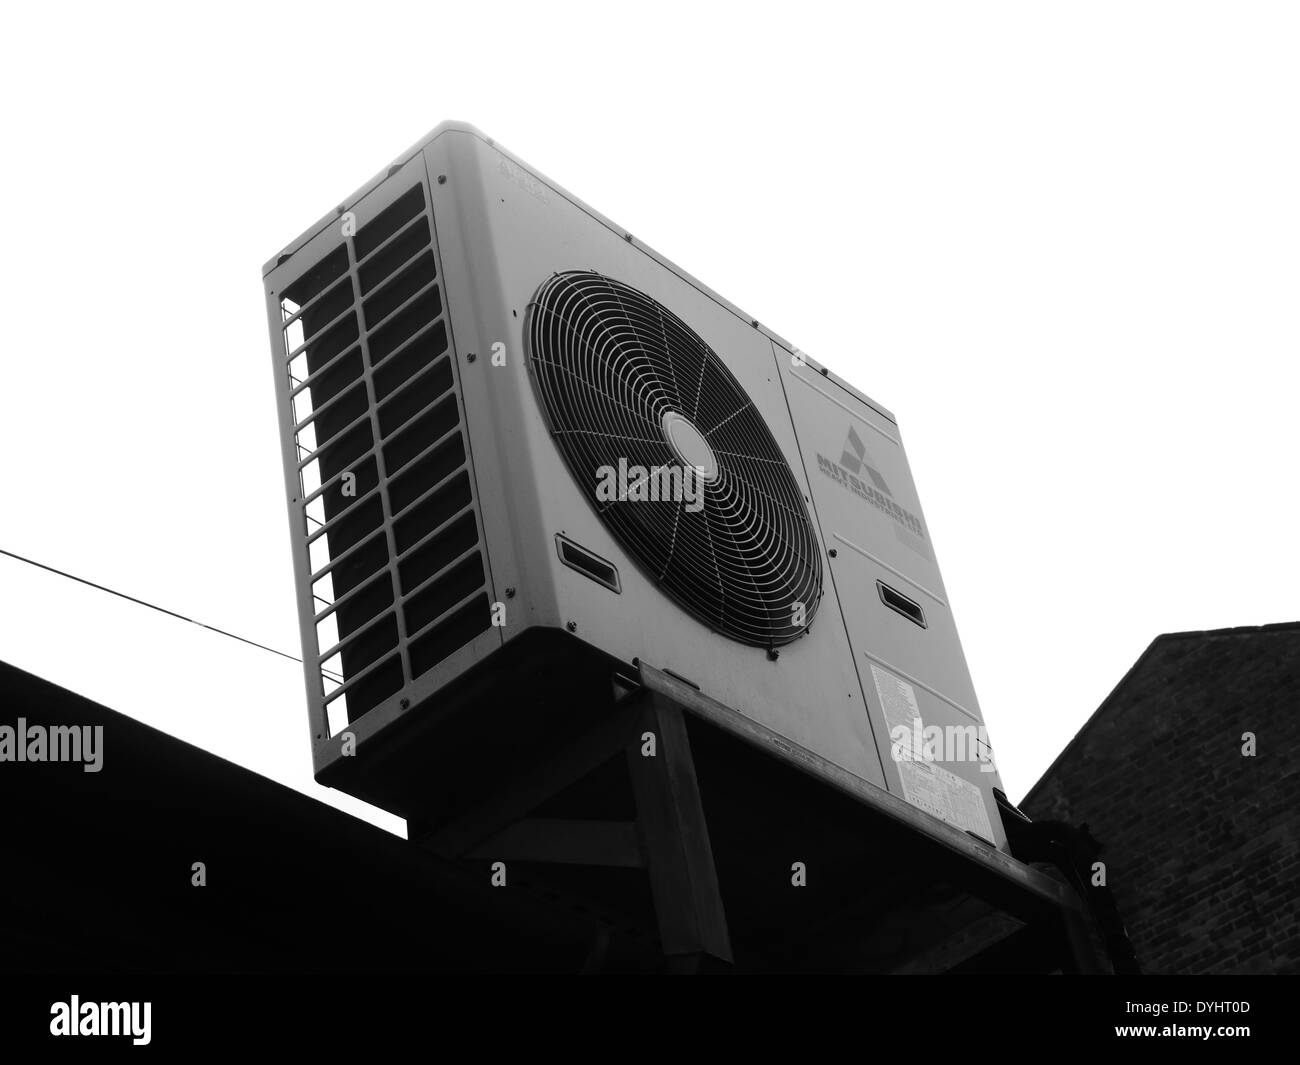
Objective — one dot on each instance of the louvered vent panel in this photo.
(398, 580)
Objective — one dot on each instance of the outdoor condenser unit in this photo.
(524, 452)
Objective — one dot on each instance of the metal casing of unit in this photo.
(883, 648)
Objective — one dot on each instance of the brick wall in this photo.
(1202, 843)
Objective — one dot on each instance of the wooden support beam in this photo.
(554, 772)
(1022, 891)
(1031, 948)
(1080, 952)
(675, 839)
(566, 842)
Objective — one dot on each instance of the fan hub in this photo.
(689, 445)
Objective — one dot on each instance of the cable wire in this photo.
(151, 606)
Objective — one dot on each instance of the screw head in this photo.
(572, 626)
(405, 704)
(833, 553)
(510, 593)
(773, 654)
(442, 179)
(470, 357)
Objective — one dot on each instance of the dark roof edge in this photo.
(15, 678)
(1092, 718)
(1240, 630)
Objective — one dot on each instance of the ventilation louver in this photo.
(397, 573)
(627, 385)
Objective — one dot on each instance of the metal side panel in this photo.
(905, 643)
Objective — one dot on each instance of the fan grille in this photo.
(633, 395)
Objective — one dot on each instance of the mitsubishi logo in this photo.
(857, 472)
(855, 459)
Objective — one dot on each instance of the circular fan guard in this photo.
(622, 378)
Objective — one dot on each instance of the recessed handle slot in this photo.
(897, 601)
(588, 564)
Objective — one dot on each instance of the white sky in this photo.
(1060, 242)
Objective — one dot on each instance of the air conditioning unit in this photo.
(524, 452)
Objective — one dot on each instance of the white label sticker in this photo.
(946, 795)
(926, 785)
(898, 699)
